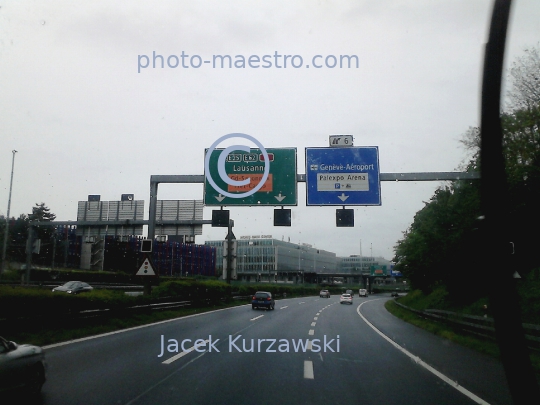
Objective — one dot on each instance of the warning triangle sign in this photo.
(146, 269)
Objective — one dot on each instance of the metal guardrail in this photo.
(241, 297)
(477, 325)
(96, 313)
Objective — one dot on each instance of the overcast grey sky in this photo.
(84, 121)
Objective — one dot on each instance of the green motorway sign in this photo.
(278, 189)
(378, 271)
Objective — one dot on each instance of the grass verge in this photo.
(485, 346)
(49, 333)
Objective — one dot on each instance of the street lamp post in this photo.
(6, 232)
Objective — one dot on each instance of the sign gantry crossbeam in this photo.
(155, 180)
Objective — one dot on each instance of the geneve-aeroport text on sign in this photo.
(343, 176)
(278, 189)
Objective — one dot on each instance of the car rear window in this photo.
(261, 295)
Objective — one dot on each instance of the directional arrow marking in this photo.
(220, 198)
(343, 197)
(280, 197)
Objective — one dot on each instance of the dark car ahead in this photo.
(262, 299)
(21, 367)
(74, 287)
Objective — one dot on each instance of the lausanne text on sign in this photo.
(278, 189)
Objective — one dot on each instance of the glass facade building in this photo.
(361, 264)
(271, 260)
(266, 259)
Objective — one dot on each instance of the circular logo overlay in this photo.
(221, 165)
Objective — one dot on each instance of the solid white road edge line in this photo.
(420, 362)
(69, 342)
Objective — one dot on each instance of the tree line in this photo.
(441, 246)
(18, 233)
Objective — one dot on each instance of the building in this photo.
(261, 258)
(264, 259)
(356, 264)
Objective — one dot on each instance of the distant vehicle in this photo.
(395, 294)
(73, 287)
(345, 298)
(350, 292)
(324, 294)
(21, 367)
(262, 299)
(362, 292)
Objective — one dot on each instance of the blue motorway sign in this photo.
(343, 176)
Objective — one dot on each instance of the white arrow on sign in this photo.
(343, 197)
(220, 198)
(280, 197)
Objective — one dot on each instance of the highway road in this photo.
(359, 354)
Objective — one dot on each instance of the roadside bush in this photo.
(193, 290)
(20, 302)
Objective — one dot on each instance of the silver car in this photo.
(21, 367)
(74, 287)
(345, 299)
(324, 294)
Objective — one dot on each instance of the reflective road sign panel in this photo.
(278, 189)
(343, 176)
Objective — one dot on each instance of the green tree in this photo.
(439, 245)
(521, 126)
(524, 93)
(42, 213)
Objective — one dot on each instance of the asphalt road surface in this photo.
(359, 354)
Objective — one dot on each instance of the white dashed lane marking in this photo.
(308, 364)
(182, 354)
(308, 370)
